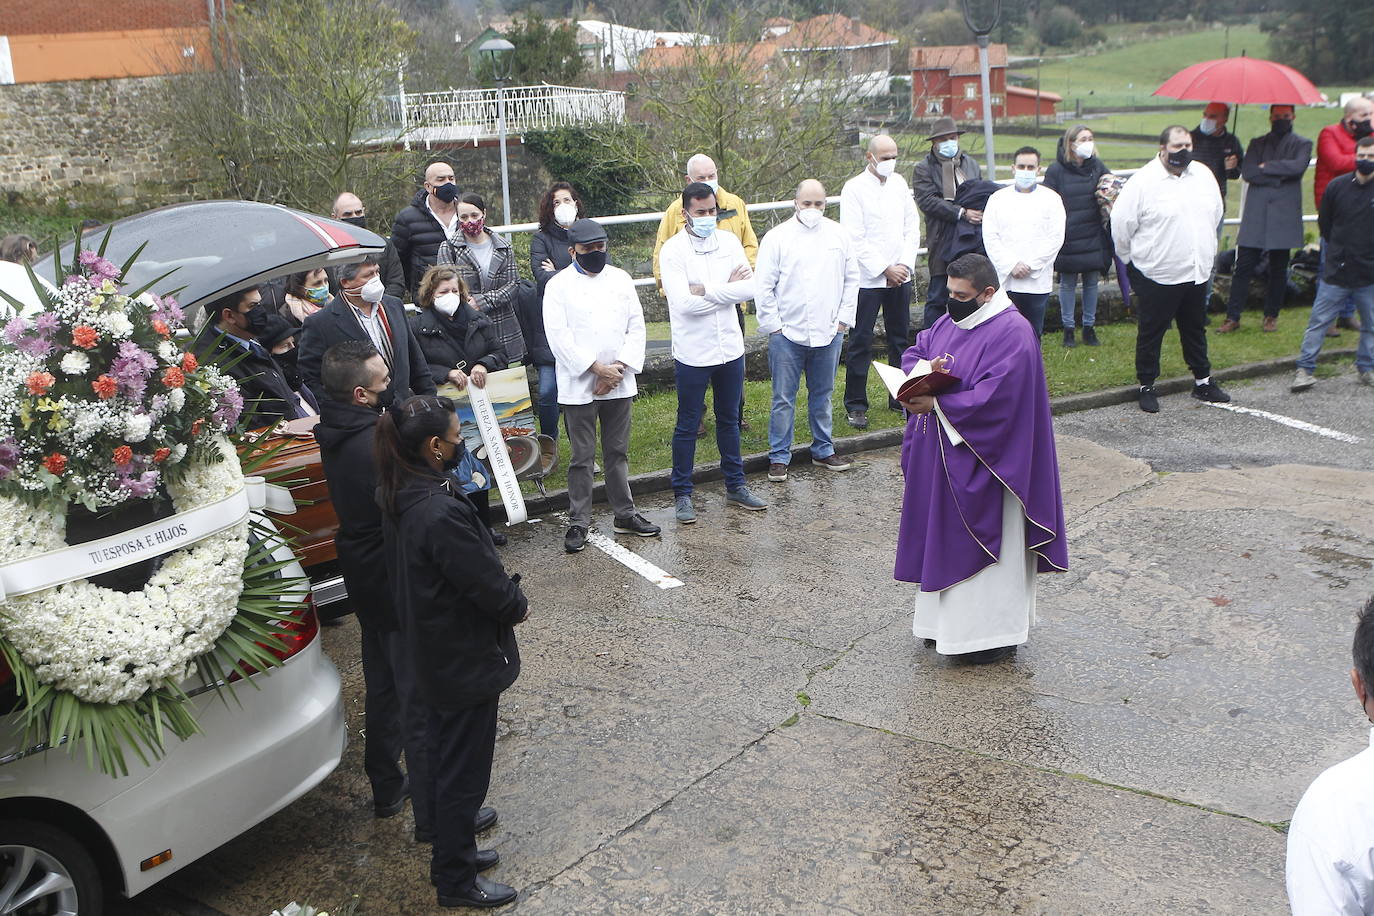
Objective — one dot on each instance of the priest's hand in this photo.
(921, 403)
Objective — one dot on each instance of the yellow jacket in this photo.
(739, 224)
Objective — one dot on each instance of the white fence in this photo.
(473, 114)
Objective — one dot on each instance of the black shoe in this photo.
(1068, 337)
(424, 836)
(1149, 401)
(575, 539)
(393, 808)
(486, 819)
(498, 538)
(1211, 393)
(636, 524)
(1090, 336)
(986, 656)
(858, 419)
(486, 859)
(483, 893)
(928, 643)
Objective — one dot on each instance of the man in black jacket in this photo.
(348, 208)
(363, 311)
(424, 225)
(934, 182)
(229, 340)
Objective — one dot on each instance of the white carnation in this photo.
(118, 324)
(137, 427)
(178, 453)
(169, 352)
(176, 399)
(75, 363)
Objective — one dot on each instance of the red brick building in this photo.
(946, 80)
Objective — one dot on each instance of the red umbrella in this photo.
(1242, 81)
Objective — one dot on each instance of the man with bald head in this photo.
(877, 208)
(807, 294)
(430, 220)
(348, 208)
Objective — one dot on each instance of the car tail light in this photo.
(295, 635)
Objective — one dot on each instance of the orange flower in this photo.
(123, 455)
(39, 382)
(105, 387)
(173, 377)
(56, 463)
(161, 454)
(196, 426)
(161, 328)
(84, 336)
(188, 362)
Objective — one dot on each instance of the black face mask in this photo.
(1281, 127)
(593, 262)
(959, 310)
(448, 193)
(1364, 166)
(1362, 129)
(385, 398)
(257, 318)
(359, 221)
(1179, 158)
(451, 463)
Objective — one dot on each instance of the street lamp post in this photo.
(981, 29)
(497, 50)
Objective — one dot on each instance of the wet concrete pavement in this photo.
(770, 739)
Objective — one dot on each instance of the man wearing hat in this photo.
(933, 183)
(280, 341)
(595, 328)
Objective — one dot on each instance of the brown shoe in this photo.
(1333, 331)
(1228, 326)
(777, 472)
(833, 463)
(701, 428)
(1349, 323)
(1270, 323)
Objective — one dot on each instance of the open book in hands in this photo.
(925, 379)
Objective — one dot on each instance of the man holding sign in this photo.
(981, 512)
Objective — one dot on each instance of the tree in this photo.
(282, 118)
(943, 27)
(1328, 43)
(544, 52)
(1059, 26)
(604, 166)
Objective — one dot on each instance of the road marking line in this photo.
(1290, 422)
(630, 559)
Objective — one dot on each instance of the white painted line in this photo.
(1290, 422)
(630, 559)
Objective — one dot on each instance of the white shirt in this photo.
(450, 225)
(1166, 225)
(1024, 227)
(882, 218)
(1331, 841)
(807, 281)
(705, 329)
(593, 319)
(372, 324)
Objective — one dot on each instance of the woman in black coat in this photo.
(1087, 249)
(460, 345)
(558, 209)
(456, 607)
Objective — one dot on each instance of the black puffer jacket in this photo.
(468, 336)
(454, 601)
(345, 433)
(416, 235)
(1087, 246)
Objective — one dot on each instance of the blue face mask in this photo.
(1208, 126)
(703, 226)
(1024, 180)
(948, 148)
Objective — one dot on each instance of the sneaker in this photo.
(682, 507)
(1212, 393)
(833, 463)
(1149, 401)
(857, 419)
(745, 500)
(636, 524)
(575, 539)
(1068, 337)
(1228, 326)
(1302, 380)
(777, 472)
(1367, 377)
(1090, 336)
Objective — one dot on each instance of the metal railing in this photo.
(474, 113)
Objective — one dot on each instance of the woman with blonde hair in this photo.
(1087, 248)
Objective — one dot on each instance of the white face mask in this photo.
(1085, 149)
(565, 214)
(373, 290)
(885, 167)
(448, 304)
(809, 217)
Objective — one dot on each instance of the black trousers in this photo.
(937, 300)
(397, 720)
(1247, 259)
(1160, 306)
(462, 743)
(895, 304)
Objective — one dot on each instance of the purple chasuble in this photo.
(951, 527)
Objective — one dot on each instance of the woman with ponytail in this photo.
(456, 607)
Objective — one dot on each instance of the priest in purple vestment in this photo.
(981, 512)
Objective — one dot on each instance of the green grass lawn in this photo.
(1074, 371)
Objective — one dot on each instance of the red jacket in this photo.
(1335, 156)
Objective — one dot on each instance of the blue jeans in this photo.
(1032, 307)
(547, 401)
(1326, 309)
(786, 362)
(1347, 304)
(1068, 287)
(727, 388)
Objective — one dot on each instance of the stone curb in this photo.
(655, 481)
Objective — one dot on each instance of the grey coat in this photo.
(940, 214)
(1273, 203)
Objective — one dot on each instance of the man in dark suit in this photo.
(229, 340)
(363, 311)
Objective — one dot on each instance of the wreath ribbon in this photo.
(490, 428)
(58, 567)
